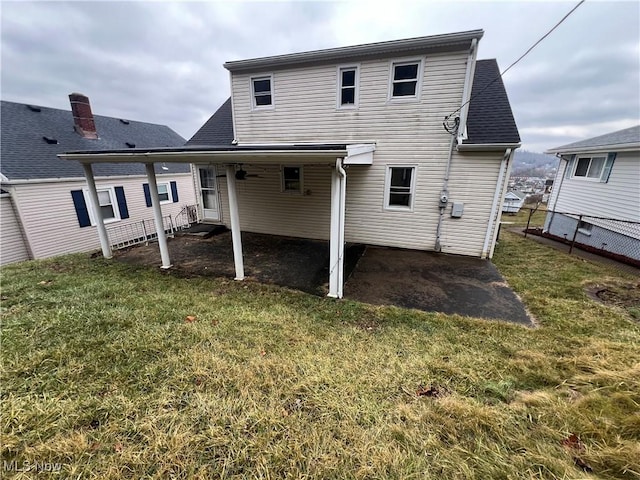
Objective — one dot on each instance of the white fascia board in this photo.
(621, 147)
(486, 147)
(409, 46)
(33, 181)
(227, 156)
(360, 154)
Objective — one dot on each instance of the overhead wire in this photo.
(445, 123)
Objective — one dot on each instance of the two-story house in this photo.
(404, 143)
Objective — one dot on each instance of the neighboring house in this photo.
(513, 201)
(348, 145)
(45, 201)
(598, 182)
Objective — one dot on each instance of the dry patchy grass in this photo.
(104, 374)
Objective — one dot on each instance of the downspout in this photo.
(343, 207)
(444, 195)
(496, 202)
(466, 92)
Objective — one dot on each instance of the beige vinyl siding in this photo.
(264, 208)
(50, 217)
(306, 111)
(406, 132)
(619, 198)
(13, 247)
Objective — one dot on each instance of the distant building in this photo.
(513, 201)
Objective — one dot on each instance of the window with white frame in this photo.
(585, 227)
(164, 193)
(405, 79)
(108, 205)
(262, 91)
(348, 87)
(589, 168)
(292, 179)
(400, 187)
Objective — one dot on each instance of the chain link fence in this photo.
(615, 238)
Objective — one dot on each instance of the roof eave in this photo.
(450, 41)
(486, 147)
(620, 147)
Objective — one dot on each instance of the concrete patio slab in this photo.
(434, 282)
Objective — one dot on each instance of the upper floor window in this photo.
(262, 91)
(405, 79)
(348, 87)
(589, 167)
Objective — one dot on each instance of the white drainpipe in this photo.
(493, 217)
(336, 244)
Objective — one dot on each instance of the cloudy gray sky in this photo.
(161, 62)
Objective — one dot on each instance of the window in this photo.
(400, 186)
(164, 194)
(405, 79)
(108, 205)
(585, 227)
(589, 167)
(261, 90)
(292, 179)
(348, 87)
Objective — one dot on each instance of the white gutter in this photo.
(486, 147)
(622, 147)
(32, 181)
(466, 92)
(186, 156)
(493, 216)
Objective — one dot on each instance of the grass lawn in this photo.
(113, 371)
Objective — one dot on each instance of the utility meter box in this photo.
(457, 209)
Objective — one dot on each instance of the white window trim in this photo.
(114, 203)
(406, 61)
(168, 185)
(356, 99)
(590, 157)
(291, 192)
(255, 107)
(387, 187)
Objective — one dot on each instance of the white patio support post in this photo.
(97, 213)
(157, 215)
(336, 242)
(235, 221)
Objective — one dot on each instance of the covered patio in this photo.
(230, 160)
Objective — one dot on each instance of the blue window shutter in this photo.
(122, 202)
(147, 194)
(81, 208)
(174, 192)
(570, 160)
(606, 173)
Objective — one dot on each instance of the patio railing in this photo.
(122, 236)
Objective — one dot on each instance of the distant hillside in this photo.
(533, 164)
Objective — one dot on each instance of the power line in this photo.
(446, 119)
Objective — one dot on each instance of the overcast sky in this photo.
(161, 62)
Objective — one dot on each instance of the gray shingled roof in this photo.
(490, 119)
(218, 130)
(26, 155)
(621, 137)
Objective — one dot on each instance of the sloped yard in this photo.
(117, 371)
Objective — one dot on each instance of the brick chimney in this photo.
(82, 116)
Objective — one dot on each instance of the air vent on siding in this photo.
(50, 140)
(33, 108)
(126, 122)
(130, 145)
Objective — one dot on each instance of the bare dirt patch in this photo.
(625, 295)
